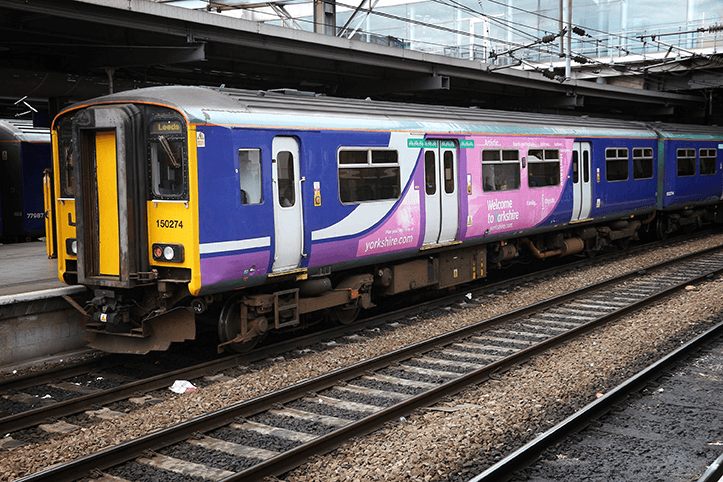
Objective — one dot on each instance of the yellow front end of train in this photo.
(127, 221)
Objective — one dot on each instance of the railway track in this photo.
(618, 400)
(99, 385)
(318, 415)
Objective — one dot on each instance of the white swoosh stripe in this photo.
(207, 248)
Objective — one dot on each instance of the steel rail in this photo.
(65, 371)
(284, 462)
(36, 416)
(528, 454)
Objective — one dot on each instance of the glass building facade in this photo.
(511, 31)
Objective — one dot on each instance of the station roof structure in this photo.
(55, 52)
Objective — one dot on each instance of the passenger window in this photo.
(285, 176)
(642, 163)
(430, 173)
(369, 175)
(543, 167)
(167, 160)
(586, 166)
(249, 168)
(500, 170)
(708, 162)
(686, 162)
(448, 172)
(575, 167)
(616, 164)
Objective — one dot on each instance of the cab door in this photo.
(581, 181)
(288, 213)
(441, 198)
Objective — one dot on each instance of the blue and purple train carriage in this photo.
(267, 210)
(24, 156)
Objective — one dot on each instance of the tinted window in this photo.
(642, 163)
(65, 156)
(249, 168)
(285, 174)
(500, 170)
(708, 162)
(616, 164)
(543, 167)
(167, 161)
(686, 162)
(448, 172)
(368, 175)
(430, 173)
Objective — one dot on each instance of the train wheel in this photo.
(661, 229)
(229, 326)
(592, 247)
(345, 315)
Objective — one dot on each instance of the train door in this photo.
(581, 181)
(441, 199)
(288, 215)
(110, 193)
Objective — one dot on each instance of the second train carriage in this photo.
(258, 208)
(24, 155)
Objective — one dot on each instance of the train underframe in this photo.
(150, 317)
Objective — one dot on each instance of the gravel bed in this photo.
(253, 439)
(11, 406)
(422, 363)
(391, 387)
(136, 371)
(51, 393)
(431, 445)
(359, 398)
(213, 458)
(487, 422)
(291, 423)
(417, 377)
(136, 472)
(325, 409)
(95, 381)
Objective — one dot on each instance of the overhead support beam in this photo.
(258, 40)
(118, 57)
(421, 84)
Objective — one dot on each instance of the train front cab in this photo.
(690, 183)
(125, 222)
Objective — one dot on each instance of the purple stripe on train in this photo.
(236, 266)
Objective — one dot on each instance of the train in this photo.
(25, 154)
(257, 211)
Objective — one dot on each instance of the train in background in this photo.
(24, 156)
(259, 211)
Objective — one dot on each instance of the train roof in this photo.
(299, 110)
(22, 130)
(686, 131)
